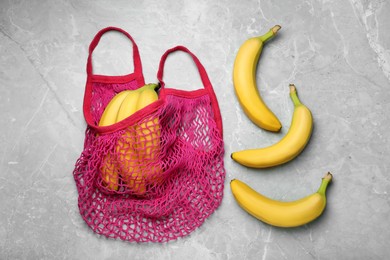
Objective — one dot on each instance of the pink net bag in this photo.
(158, 174)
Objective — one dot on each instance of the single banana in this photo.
(130, 148)
(290, 146)
(127, 156)
(129, 105)
(244, 80)
(149, 133)
(110, 112)
(109, 169)
(280, 213)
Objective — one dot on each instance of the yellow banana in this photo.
(128, 106)
(130, 148)
(109, 169)
(148, 133)
(127, 156)
(280, 213)
(244, 80)
(288, 147)
(110, 112)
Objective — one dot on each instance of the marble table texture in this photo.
(336, 52)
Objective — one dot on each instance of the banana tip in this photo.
(292, 88)
(328, 176)
(276, 28)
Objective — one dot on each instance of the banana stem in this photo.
(152, 86)
(294, 95)
(270, 34)
(324, 184)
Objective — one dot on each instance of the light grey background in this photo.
(336, 52)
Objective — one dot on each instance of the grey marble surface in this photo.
(336, 52)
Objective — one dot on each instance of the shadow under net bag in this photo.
(157, 174)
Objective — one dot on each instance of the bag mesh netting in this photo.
(160, 174)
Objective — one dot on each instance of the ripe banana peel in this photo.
(149, 133)
(290, 146)
(109, 169)
(281, 213)
(244, 80)
(143, 139)
(132, 150)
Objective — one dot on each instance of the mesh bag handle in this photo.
(203, 75)
(136, 75)
(96, 40)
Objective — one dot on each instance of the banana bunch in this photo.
(137, 150)
(277, 213)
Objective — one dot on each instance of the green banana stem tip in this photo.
(270, 34)
(294, 95)
(324, 184)
(152, 85)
